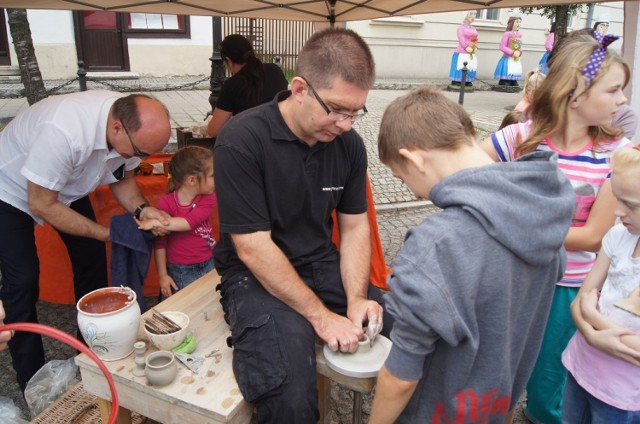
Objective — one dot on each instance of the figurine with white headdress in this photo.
(465, 52)
(602, 23)
(509, 68)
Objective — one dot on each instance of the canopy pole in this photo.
(332, 13)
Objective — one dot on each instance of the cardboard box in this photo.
(185, 138)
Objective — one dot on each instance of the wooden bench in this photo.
(212, 395)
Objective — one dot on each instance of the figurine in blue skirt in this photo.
(548, 45)
(509, 68)
(466, 52)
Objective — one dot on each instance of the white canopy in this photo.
(329, 11)
(307, 10)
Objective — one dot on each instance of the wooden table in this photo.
(212, 396)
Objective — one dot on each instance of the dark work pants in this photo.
(20, 270)
(274, 359)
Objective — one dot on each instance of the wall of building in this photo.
(174, 56)
(54, 43)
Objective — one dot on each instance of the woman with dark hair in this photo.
(252, 82)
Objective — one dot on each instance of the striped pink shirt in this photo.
(586, 169)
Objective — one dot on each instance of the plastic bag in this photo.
(49, 383)
(10, 413)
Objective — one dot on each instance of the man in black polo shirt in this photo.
(280, 170)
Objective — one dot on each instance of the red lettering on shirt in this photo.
(472, 408)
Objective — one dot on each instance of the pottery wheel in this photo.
(359, 365)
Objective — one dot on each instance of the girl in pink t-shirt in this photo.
(185, 254)
(603, 357)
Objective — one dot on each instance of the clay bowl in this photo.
(169, 341)
(160, 368)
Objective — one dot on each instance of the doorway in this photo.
(100, 41)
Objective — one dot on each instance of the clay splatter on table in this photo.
(187, 380)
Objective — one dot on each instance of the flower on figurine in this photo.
(474, 46)
(516, 44)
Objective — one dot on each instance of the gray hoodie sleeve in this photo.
(421, 305)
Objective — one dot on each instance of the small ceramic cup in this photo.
(364, 345)
(160, 368)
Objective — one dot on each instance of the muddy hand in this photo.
(373, 329)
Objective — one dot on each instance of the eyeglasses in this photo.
(335, 116)
(136, 152)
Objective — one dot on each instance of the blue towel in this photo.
(130, 254)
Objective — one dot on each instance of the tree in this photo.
(30, 76)
(560, 13)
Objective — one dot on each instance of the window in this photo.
(488, 14)
(99, 20)
(155, 25)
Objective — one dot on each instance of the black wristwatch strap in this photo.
(138, 210)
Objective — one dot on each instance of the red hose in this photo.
(73, 342)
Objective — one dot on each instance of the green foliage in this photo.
(560, 14)
(550, 11)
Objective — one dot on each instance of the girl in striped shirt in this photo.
(571, 114)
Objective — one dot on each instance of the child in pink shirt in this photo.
(185, 254)
(603, 357)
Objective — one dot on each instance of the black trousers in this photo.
(274, 359)
(20, 270)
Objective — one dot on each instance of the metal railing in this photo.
(272, 39)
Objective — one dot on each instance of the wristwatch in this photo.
(138, 210)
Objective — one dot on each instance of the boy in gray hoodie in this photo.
(472, 285)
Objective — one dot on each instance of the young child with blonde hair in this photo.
(603, 357)
(185, 254)
(532, 80)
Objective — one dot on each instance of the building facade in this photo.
(421, 46)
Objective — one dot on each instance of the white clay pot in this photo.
(160, 368)
(108, 319)
(364, 345)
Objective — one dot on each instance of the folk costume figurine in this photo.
(602, 23)
(548, 45)
(466, 52)
(509, 68)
